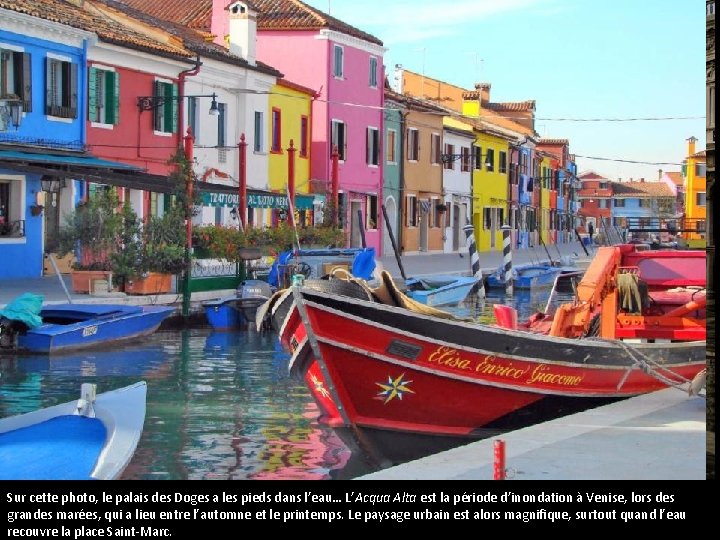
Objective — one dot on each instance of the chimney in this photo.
(243, 31)
(691, 146)
(642, 179)
(484, 89)
(660, 173)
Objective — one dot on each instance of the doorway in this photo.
(391, 210)
(355, 226)
(424, 225)
(52, 220)
(456, 227)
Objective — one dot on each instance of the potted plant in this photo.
(91, 233)
(162, 254)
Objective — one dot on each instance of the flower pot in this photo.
(152, 283)
(83, 280)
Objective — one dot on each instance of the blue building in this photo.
(641, 205)
(42, 135)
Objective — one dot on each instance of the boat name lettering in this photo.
(488, 366)
(89, 330)
(445, 356)
(540, 374)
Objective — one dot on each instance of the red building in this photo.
(594, 197)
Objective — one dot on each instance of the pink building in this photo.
(344, 65)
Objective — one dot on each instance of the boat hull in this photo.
(94, 326)
(528, 277)
(56, 443)
(444, 291)
(385, 368)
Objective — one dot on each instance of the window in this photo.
(373, 146)
(258, 143)
(602, 185)
(371, 212)
(413, 142)
(104, 96)
(449, 158)
(341, 210)
(16, 77)
(338, 61)
(477, 158)
(222, 125)
(165, 117)
(411, 211)
(465, 159)
(490, 160)
(619, 203)
(194, 117)
(502, 166)
(276, 128)
(436, 213)
(700, 169)
(645, 203)
(373, 72)
(339, 138)
(390, 146)
(700, 198)
(61, 89)
(604, 203)
(304, 124)
(435, 148)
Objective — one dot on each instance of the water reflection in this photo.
(219, 405)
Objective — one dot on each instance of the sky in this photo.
(578, 59)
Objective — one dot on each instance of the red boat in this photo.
(637, 325)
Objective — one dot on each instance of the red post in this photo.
(189, 139)
(499, 471)
(291, 180)
(242, 183)
(334, 180)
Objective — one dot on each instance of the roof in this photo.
(590, 175)
(641, 189)
(700, 154)
(551, 142)
(91, 20)
(503, 106)
(195, 40)
(271, 15)
(676, 178)
(414, 103)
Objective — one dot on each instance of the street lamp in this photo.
(11, 111)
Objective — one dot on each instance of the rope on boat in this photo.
(653, 368)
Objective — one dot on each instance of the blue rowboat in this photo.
(238, 310)
(533, 276)
(440, 290)
(92, 438)
(70, 327)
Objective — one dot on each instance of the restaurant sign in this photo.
(256, 200)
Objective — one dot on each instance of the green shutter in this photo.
(158, 111)
(92, 94)
(111, 97)
(171, 108)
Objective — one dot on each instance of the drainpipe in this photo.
(401, 187)
(191, 72)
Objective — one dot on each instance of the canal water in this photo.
(219, 405)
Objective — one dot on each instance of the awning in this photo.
(82, 166)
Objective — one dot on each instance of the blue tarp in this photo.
(25, 308)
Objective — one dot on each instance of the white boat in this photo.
(92, 438)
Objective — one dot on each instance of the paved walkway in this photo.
(414, 265)
(658, 436)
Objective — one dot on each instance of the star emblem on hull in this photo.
(394, 388)
(319, 387)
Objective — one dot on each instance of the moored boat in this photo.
(441, 290)
(391, 368)
(71, 327)
(92, 438)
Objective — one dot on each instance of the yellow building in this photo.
(695, 195)
(289, 118)
(545, 183)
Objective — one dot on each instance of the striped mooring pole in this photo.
(507, 258)
(474, 257)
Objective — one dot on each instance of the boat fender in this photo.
(85, 405)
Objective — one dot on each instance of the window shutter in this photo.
(26, 84)
(171, 123)
(92, 94)
(73, 90)
(158, 112)
(111, 97)
(116, 95)
(50, 93)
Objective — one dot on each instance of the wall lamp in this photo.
(149, 103)
(10, 111)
